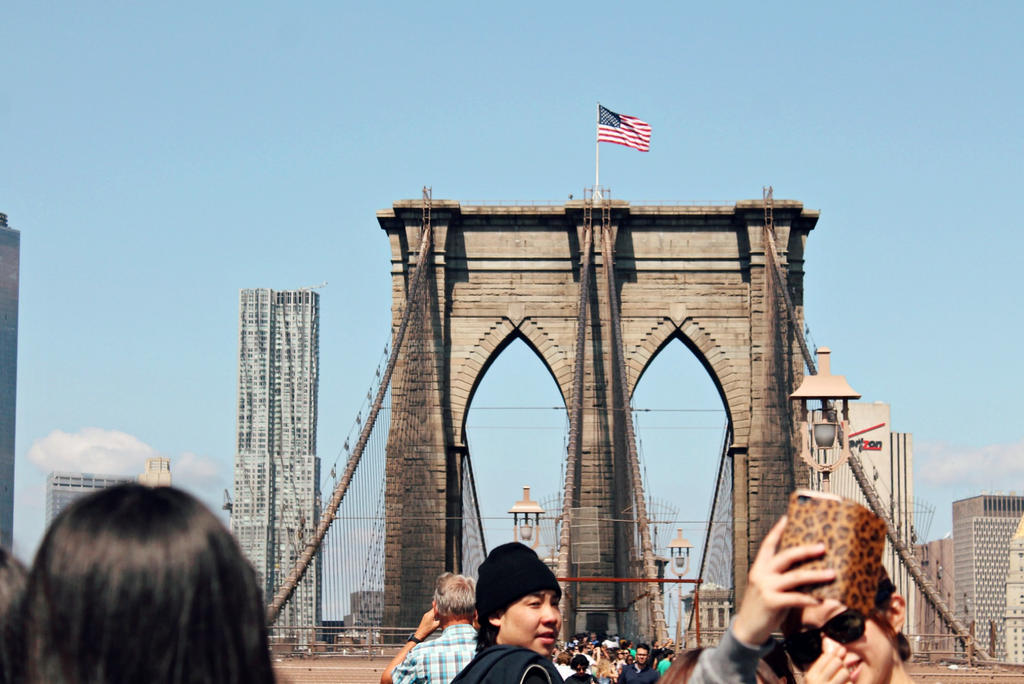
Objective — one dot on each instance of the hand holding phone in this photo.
(854, 538)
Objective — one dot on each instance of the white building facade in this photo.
(888, 461)
(276, 505)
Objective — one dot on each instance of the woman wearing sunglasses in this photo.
(834, 644)
(830, 642)
(773, 590)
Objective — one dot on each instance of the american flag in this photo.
(623, 130)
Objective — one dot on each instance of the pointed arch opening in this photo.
(682, 421)
(516, 431)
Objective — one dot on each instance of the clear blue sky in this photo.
(157, 157)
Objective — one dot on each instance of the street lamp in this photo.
(824, 433)
(530, 511)
(679, 549)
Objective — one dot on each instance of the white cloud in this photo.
(201, 476)
(91, 450)
(111, 452)
(990, 466)
(197, 471)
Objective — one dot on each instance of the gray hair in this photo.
(455, 595)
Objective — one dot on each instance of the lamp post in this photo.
(824, 430)
(526, 520)
(679, 550)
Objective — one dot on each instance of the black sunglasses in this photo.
(805, 647)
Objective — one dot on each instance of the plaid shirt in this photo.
(438, 661)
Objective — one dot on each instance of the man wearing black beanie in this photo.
(517, 606)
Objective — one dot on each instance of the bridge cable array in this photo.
(417, 362)
(716, 561)
(414, 301)
(904, 552)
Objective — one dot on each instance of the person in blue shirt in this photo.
(641, 671)
(439, 660)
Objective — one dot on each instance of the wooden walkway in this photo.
(367, 670)
(331, 670)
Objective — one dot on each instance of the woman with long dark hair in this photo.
(12, 589)
(133, 584)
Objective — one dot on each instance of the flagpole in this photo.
(597, 156)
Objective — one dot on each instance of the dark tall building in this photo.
(10, 252)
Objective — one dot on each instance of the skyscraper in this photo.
(982, 528)
(63, 488)
(277, 472)
(10, 254)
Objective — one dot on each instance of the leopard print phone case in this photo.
(854, 538)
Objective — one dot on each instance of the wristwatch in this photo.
(414, 639)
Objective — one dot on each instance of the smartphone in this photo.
(854, 539)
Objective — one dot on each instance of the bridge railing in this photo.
(936, 647)
(357, 640)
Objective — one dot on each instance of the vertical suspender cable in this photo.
(286, 589)
(722, 461)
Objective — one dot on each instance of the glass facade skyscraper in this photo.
(10, 256)
(275, 507)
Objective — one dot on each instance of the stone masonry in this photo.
(692, 273)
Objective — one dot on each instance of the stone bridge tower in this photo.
(693, 273)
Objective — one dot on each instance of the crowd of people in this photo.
(133, 584)
(518, 623)
(588, 659)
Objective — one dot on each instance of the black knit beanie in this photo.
(510, 572)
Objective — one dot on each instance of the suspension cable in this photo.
(286, 589)
(618, 355)
(776, 270)
(910, 562)
(874, 502)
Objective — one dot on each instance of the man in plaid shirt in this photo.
(438, 661)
